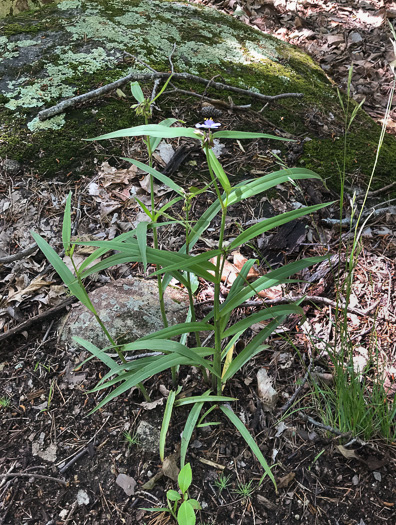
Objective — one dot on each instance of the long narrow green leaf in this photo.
(166, 206)
(188, 430)
(166, 421)
(203, 399)
(236, 286)
(152, 130)
(218, 170)
(63, 271)
(157, 175)
(125, 370)
(130, 366)
(163, 345)
(267, 281)
(191, 262)
(103, 250)
(273, 222)
(163, 258)
(97, 352)
(148, 212)
(247, 135)
(179, 329)
(253, 348)
(66, 227)
(165, 362)
(257, 186)
(275, 311)
(249, 440)
(120, 258)
(141, 236)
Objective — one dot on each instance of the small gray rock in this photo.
(11, 167)
(149, 436)
(127, 484)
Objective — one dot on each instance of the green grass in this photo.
(222, 482)
(5, 402)
(357, 401)
(244, 490)
(131, 439)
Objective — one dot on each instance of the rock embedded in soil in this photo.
(129, 308)
(149, 436)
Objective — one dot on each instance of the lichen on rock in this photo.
(78, 45)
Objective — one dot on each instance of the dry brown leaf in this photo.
(239, 261)
(285, 481)
(349, 454)
(36, 284)
(109, 175)
(170, 468)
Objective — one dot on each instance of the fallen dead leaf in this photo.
(285, 481)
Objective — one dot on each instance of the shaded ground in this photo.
(45, 426)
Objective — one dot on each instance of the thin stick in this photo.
(20, 255)
(32, 475)
(321, 425)
(289, 403)
(71, 102)
(26, 324)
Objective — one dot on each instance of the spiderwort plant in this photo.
(129, 248)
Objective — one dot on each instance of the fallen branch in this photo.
(71, 102)
(20, 255)
(303, 300)
(32, 475)
(45, 315)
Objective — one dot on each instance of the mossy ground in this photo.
(251, 61)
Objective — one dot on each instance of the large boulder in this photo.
(75, 46)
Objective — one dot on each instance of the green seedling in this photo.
(5, 402)
(131, 439)
(222, 482)
(244, 490)
(180, 506)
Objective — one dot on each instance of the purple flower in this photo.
(209, 124)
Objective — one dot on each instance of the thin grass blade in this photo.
(166, 421)
(66, 227)
(188, 430)
(249, 440)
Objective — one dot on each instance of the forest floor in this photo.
(59, 466)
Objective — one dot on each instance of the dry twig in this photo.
(71, 102)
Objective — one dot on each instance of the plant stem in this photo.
(217, 385)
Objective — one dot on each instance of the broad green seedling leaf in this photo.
(137, 92)
(186, 514)
(185, 478)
